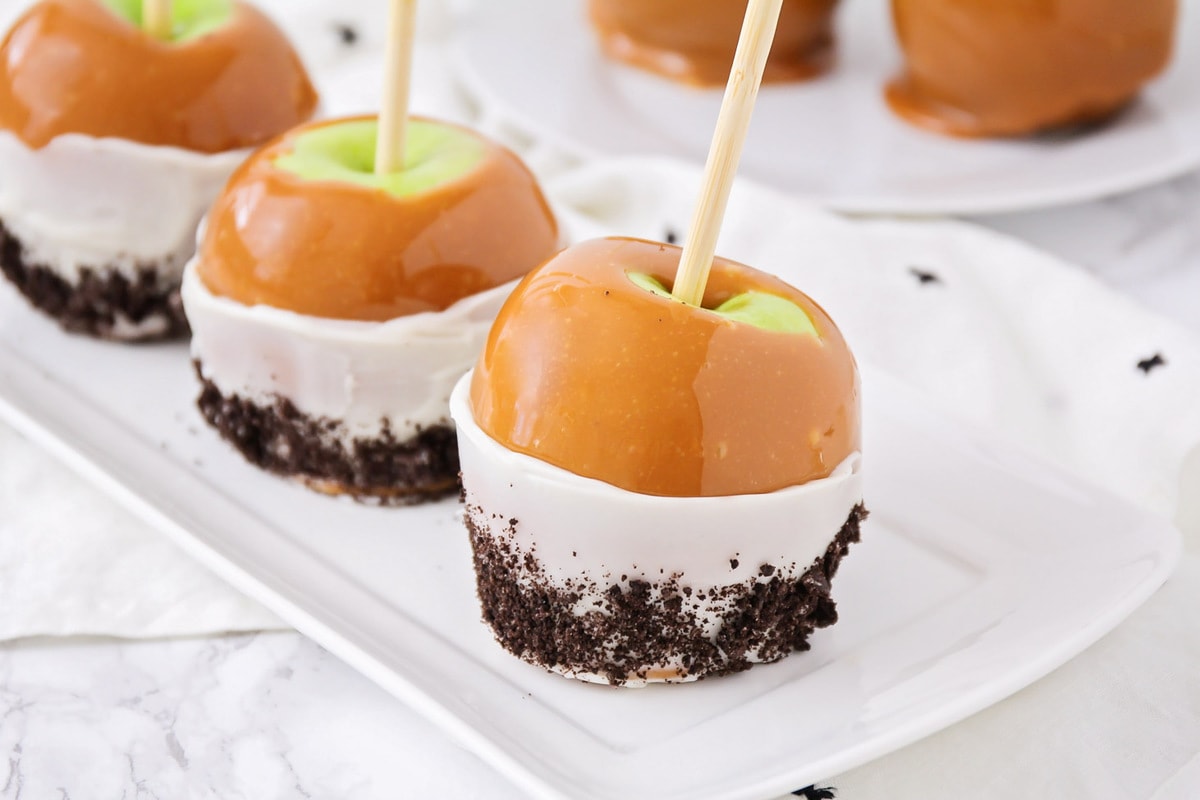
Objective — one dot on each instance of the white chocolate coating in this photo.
(361, 374)
(591, 532)
(82, 201)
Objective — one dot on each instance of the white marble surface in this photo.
(248, 716)
(274, 716)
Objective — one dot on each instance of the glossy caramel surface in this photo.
(346, 251)
(593, 374)
(1011, 67)
(74, 66)
(693, 41)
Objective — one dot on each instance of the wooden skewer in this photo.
(733, 123)
(156, 18)
(393, 117)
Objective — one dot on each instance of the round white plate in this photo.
(831, 140)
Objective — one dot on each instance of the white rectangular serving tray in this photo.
(980, 571)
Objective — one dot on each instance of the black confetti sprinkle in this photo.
(815, 793)
(347, 33)
(1148, 365)
(924, 276)
(671, 237)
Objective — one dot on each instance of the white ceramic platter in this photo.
(981, 571)
(537, 65)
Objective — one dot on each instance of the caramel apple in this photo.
(1002, 68)
(657, 491)
(693, 41)
(113, 144)
(333, 308)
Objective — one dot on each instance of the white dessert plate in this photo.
(981, 570)
(536, 65)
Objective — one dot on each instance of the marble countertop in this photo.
(275, 716)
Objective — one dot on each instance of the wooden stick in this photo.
(393, 117)
(156, 18)
(733, 123)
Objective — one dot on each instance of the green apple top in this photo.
(760, 309)
(228, 78)
(435, 154)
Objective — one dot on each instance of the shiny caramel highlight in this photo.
(345, 251)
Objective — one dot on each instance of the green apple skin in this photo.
(759, 309)
(191, 18)
(345, 152)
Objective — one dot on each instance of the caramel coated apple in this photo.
(305, 225)
(1003, 68)
(693, 41)
(228, 79)
(589, 370)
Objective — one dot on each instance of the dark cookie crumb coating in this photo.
(645, 623)
(384, 470)
(101, 301)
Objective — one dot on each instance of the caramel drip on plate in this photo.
(587, 371)
(1011, 67)
(74, 66)
(343, 251)
(693, 41)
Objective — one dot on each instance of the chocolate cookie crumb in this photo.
(1148, 365)
(105, 303)
(348, 34)
(384, 470)
(638, 623)
(924, 276)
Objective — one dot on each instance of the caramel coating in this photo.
(693, 41)
(1012, 67)
(588, 372)
(74, 66)
(344, 251)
